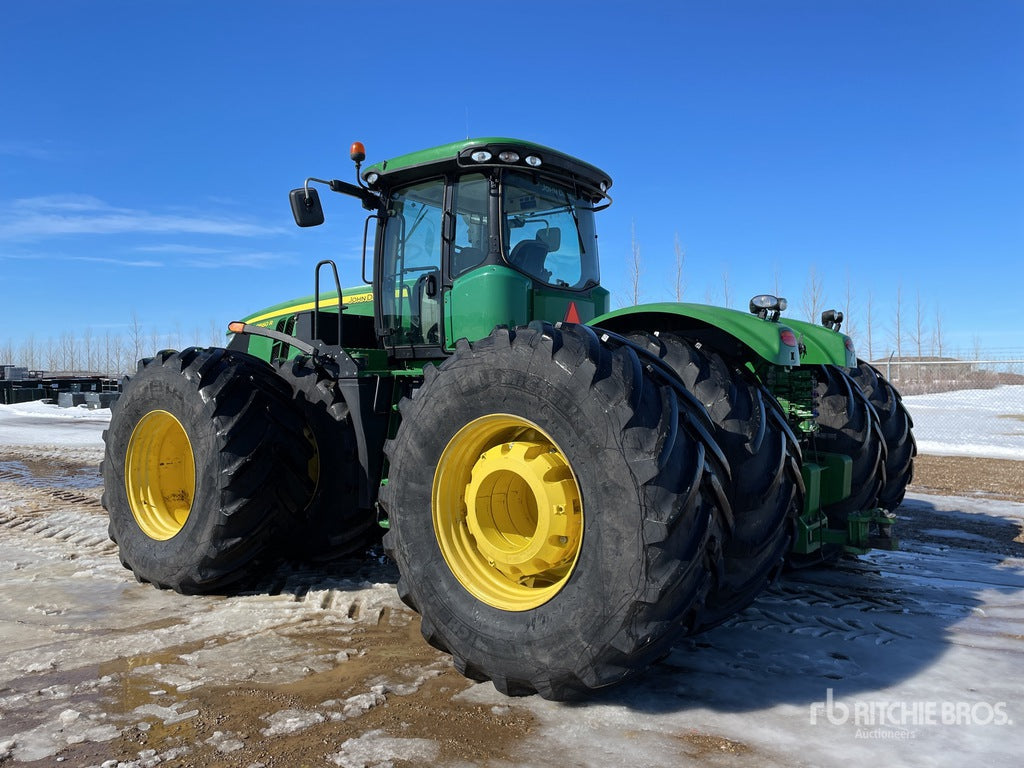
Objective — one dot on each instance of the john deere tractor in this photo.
(566, 491)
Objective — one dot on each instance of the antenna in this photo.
(467, 122)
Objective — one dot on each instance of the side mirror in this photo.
(306, 207)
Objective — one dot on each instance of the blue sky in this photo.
(147, 149)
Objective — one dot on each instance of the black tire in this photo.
(331, 524)
(847, 424)
(651, 512)
(897, 431)
(215, 458)
(766, 488)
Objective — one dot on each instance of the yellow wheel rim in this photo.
(160, 475)
(507, 512)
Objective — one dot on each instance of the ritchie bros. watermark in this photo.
(895, 719)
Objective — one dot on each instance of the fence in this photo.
(927, 376)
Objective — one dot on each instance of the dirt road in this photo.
(322, 665)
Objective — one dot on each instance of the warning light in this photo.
(357, 152)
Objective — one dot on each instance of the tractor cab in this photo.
(473, 235)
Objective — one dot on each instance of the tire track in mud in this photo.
(36, 506)
(818, 626)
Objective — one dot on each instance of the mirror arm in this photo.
(370, 200)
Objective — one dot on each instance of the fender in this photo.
(821, 345)
(736, 334)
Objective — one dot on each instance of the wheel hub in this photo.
(160, 475)
(508, 513)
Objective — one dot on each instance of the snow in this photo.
(47, 424)
(970, 422)
(908, 658)
(973, 422)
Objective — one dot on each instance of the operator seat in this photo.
(529, 256)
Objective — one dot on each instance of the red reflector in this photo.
(571, 315)
(849, 343)
(788, 338)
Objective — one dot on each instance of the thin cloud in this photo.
(195, 250)
(257, 260)
(24, 149)
(54, 216)
(118, 262)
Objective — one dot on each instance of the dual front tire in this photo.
(554, 517)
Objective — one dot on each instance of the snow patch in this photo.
(375, 749)
(970, 422)
(290, 721)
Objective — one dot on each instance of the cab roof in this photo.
(465, 154)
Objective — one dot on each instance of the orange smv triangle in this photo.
(571, 315)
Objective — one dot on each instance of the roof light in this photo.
(509, 157)
(832, 319)
(533, 161)
(763, 301)
(371, 178)
(357, 152)
(481, 156)
(604, 186)
(767, 307)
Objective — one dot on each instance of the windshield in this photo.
(549, 232)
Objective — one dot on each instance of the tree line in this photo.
(108, 353)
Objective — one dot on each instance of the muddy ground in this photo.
(321, 665)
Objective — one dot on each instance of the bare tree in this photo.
(29, 355)
(726, 293)
(7, 353)
(680, 260)
(52, 354)
(68, 351)
(87, 349)
(937, 340)
(897, 340)
(635, 266)
(917, 335)
(107, 354)
(777, 274)
(871, 323)
(814, 296)
(135, 336)
(851, 325)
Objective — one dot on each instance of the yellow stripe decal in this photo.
(356, 298)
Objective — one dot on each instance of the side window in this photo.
(470, 246)
(411, 265)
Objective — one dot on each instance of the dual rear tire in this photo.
(205, 467)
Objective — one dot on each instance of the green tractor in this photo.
(566, 491)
